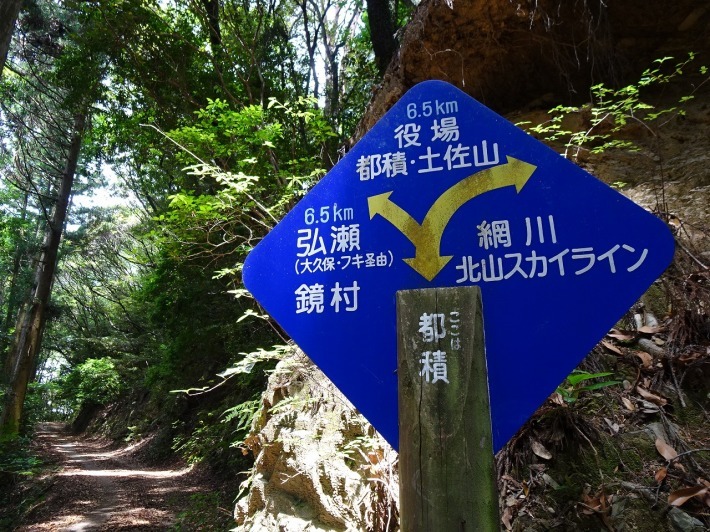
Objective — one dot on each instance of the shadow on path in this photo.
(99, 488)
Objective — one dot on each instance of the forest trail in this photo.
(99, 487)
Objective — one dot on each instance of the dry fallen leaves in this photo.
(692, 356)
(661, 474)
(628, 404)
(507, 518)
(681, 496)
(648, 407)
(622, 336)
(595, 504)
(557, 399)
(652, 397)
(539, 449)
(611, 347)
(665, 450)
(612, 425)
(646, 359)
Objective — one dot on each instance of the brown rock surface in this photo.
(514, 54)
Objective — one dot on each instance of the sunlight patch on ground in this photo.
(174, 489)
(127, 473)
(62, 523)
(140, 515)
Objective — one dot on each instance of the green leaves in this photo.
(604, 121)
(95, 380)
(577, 383)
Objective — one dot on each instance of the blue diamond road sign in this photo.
(443, 192)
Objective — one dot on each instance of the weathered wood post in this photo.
(447, 473)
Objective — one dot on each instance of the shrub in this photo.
(94, 381)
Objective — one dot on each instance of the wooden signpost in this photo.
(446, 467)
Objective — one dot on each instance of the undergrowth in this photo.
(17, 463)
(204, 511)
(607, 118)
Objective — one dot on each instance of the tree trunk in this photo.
(212, 11)
(379, 16)
(9, 9)
(13, 298)
(211, 8)
(31, 321)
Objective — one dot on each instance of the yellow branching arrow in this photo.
(426, 236)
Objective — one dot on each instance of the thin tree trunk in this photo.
(211, 8)
(13, 299)
(382, 37)
(31, 322)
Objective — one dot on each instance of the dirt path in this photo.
(100, 488)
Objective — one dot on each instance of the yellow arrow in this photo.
(427, 236)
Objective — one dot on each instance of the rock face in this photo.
(319, 465)
(511, 54)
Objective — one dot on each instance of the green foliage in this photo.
(100, 268)
(227, 136)
(243, 415)
(45, 401)
(216, 436)
(149, 298)
(206, 439)
(252, 165)
(17, 463)
(577, 383)
(253, 152)
(93, 381)
(359, 447)
(16, 458)
(18, 242)
(612, 110)
(210, 440)
(249, 360)
(204, 511)
(197, 332)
